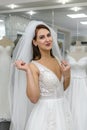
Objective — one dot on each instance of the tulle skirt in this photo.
(76, 94)
(50, 114)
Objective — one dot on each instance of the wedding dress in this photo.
(5, 61)
(77, 92)
(51, 112)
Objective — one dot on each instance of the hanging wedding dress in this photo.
(5, 61)
(77, 91)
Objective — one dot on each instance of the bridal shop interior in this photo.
(67, 17)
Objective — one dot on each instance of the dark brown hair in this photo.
(36, 52)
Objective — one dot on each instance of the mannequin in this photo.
(6, 48)
(78, 52)
(6, 42)
(77, 91)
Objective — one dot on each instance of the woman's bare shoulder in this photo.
(33, 67)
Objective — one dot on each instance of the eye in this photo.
(41, 37)
(48, 35)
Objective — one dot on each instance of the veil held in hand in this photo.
(21, 106)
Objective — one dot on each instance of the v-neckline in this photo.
(77, 61)
(49, 70)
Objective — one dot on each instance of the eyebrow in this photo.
(43, 34)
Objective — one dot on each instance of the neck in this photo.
(45, 54)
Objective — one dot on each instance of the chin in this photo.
(48, 49)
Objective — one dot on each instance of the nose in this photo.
(47, 38)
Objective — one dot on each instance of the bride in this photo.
(46, 78)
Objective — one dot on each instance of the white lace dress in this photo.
(5, 61)
(77, 92)
(51, 112)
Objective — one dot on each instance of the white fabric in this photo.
(5, 61)
(52, 111)
(21, 107)
(77, 92)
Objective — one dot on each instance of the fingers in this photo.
(19, 64)
(65, 63)
(65, 68)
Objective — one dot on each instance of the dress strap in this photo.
(38, 65)
(58, 60)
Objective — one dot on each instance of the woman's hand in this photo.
(65, 68)
(21, 65)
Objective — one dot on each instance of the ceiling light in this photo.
(85, 22)
(31, 12)
(12, 6)
(75, 9)
(63, 1)
(1, 20)
(77, 15)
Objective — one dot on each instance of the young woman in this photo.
(47, 78)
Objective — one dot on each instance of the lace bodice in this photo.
(5, 56)
(50, 86)
(78, 68)
(6, 50)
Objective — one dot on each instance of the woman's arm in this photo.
(32, 75)
(33, 90)
(65, 67)
(66, 82)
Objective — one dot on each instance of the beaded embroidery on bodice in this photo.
(50, 85)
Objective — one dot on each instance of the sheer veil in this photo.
(20, 104)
